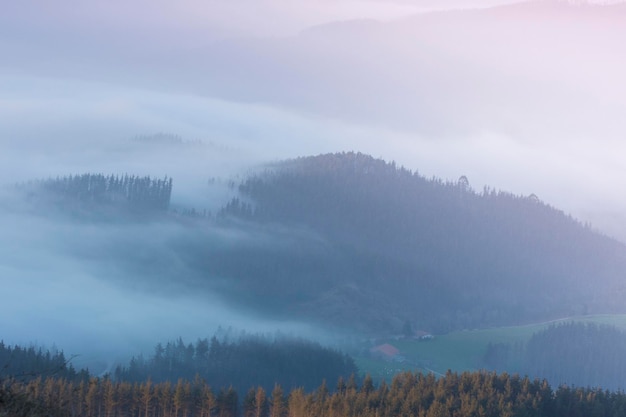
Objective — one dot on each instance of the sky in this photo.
(193, 22)
(527, 99)
(534, 107)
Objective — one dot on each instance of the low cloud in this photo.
(107, 291)
(57, 127)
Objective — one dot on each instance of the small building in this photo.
(385, 351)
(423, 335)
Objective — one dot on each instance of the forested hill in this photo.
(437, 254)
(247, 361)
(94, 195)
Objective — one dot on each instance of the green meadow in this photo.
(462, 350)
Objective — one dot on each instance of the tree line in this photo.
(129, 191)
(28, 363)
(239, 362)
(572, 353)
(407, 395)
(177, 376)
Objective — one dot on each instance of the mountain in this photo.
(344, 241)
(512, 68)
(370, 245)
(506, 68)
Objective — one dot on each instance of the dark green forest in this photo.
(259, 376)
(582, 354)
(398, 246)
(28, 363)
(248, 360)
(222, 361)
(179, 376)
(95, 194)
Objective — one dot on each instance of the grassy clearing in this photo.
(463, 351)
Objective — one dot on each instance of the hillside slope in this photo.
(391, 246)
(344, 241)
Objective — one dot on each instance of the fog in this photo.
(104, 291)
(527, 99)
(192, 22)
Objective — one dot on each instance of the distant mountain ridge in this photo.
(433, 72)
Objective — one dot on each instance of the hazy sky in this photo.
(194, 22)
(527, 99)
